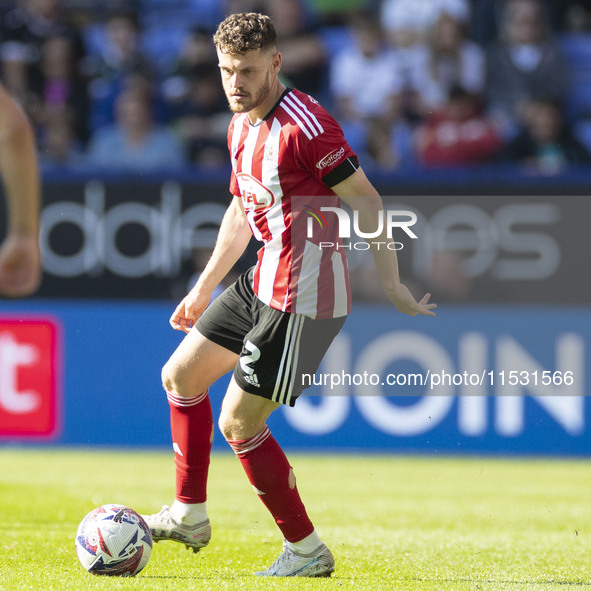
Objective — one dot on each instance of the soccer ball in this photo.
(113, 540)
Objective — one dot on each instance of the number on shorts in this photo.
(252, 357)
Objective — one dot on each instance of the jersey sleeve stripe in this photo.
(305, 108)
(304, 114)
(301, 125)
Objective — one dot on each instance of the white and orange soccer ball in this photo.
(113, 540)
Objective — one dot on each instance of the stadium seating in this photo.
(577, 52)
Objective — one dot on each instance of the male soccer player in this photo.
(278, 319)
(20, 262)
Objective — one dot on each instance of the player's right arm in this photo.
(233, 238)
(20, 261)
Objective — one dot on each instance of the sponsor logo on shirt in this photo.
(331, 158)
(254, 194)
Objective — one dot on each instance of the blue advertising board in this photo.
(506, 380)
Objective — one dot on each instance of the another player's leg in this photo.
(243, 424)
(193, 367)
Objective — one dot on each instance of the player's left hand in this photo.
(20, 266)
(406, 303)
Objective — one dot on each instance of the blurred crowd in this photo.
(134, 84)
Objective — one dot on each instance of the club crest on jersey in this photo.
(254, 194)
(270, 153)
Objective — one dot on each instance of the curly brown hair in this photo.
(243, 32)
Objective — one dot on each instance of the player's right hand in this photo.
(190, 309)
(20, 266)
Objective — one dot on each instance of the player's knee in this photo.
(233, 427)
(227, 426)
(172, 380)
(167, 378)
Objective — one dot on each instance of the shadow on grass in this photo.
(501, 582)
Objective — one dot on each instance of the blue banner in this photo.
(472, 380)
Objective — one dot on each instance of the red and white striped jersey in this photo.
(282, 165)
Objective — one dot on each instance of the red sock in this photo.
(191, 424)
(273, 479)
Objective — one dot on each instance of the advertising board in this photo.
(507, 380)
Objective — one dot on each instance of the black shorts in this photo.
(276, 348)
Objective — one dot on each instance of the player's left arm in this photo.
(361, 196)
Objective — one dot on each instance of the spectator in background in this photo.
(427, 49)
(60, 88)
(365, 88)
(303, 64)
(576, 17)
(485, 22)
(545, 143)
(135, 142)
(201, 119)
(487, 17)
(448, 60)
(525, 63)
(407, 22)
(121, 56)
(196, 51)
(404, 34)
(58, 147)
(458, 135)
(23, 31)
(338, 13)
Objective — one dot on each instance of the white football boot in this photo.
(164, 527)
(319, 563)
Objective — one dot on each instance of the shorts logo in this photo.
(253, 380)
(254, 194)
(245, 363)
(331, 158)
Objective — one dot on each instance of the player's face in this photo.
(247, 79)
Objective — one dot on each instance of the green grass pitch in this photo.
(392, 522)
